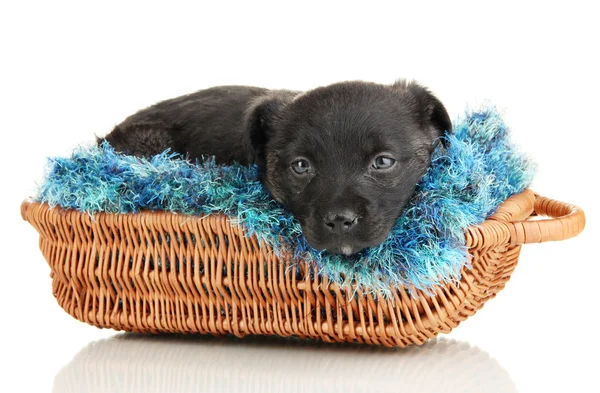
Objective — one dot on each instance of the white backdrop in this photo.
(69, 71)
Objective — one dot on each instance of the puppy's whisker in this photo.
(374, 179)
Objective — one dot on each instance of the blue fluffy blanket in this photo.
(465, 183)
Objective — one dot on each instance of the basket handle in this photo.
(566, 221)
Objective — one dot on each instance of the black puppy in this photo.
(344, 158)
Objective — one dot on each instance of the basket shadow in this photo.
(173, 363)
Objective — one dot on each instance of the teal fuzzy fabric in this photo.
(466, 182)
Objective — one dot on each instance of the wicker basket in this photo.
(106, 271)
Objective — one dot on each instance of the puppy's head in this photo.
(345, 158)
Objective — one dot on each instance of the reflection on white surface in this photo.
(134, 363)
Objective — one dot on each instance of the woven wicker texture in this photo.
(164, 272)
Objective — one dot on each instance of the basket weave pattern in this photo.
(164, 272)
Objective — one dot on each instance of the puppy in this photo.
(344, 158)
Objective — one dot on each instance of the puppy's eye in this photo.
(300, 166)
(383, 162)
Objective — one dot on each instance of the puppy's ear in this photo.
(262, 118)
(432, 113)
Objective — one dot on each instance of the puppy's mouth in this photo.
(345, 244)
(343, 249)
(346, 247)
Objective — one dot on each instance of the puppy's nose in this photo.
(340, 222)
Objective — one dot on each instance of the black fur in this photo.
(206, 123)
(343, 202)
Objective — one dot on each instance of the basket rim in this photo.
(509, 222)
